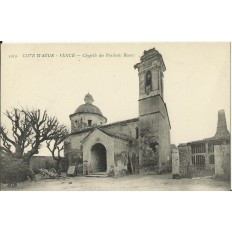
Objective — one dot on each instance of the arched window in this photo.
(148, 82)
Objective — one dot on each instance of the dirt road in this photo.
(133, 182)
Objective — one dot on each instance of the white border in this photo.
(115, 21)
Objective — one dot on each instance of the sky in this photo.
(196, 82)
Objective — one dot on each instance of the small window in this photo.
(136, 132)
(211, 159)
(89, 122)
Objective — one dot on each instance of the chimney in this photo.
(221, 124)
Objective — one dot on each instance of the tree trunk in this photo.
(18, 152)
(131, 163)
(58, 166)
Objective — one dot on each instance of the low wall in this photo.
(46, 162)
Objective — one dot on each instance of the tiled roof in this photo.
(121, 122)
(111, 134)
(214, 138)
(182, 145)
(116, 135)
(106, 125)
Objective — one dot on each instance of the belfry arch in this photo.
(98, 158)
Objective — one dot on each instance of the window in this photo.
(148, 82)
(198, 148)
(89, 122)
(136, 132)
(198, 161)
(211, 159)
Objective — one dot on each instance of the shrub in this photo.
(14, 170)
(176, 176)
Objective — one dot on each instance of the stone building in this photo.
(201, 153)
(131, 145)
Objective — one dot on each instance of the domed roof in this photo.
(88, 107)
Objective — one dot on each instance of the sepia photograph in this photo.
(115, 116)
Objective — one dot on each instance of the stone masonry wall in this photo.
(222, 161)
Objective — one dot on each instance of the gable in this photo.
(96, 134)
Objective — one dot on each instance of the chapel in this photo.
(130, 146)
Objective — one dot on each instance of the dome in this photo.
(88, 107)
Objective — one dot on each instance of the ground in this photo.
(132, 182)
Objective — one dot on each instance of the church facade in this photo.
(132, 145)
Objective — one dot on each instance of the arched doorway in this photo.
(98, 158)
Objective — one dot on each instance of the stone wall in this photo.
(46, 162)
(175, 163)
(222, 162)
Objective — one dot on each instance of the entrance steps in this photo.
(98, 174)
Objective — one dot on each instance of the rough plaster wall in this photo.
(222, 161)
(119, 147)
(124, 128)
(96, 120)
(164, 141)
(151, 122)
(73, 151)
(184, 157)
(175, 161)
(75, 140)
(149, 105)
(157, 123)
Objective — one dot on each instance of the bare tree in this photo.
(21, 133)
(30, 128)
(56, 145)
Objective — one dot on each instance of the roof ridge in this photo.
(122, 121)
(115, 134)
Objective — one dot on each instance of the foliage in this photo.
(121, 157)
(56, 144)
(30, 128)
(113, 172)
(14, 170)
(147, 147)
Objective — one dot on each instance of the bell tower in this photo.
(154, 124)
